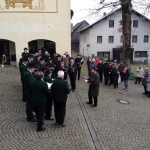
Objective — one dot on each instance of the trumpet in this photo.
(3, 60)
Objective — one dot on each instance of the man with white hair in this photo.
(92, 64)
(60, 90)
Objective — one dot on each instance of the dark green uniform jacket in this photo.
(40, 92)
(75, 69)
(22, 69)
(27, 78)
(94, 87)
(48, 79)
(60, 90)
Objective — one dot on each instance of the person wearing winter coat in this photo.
(144, 80)
(115, 72)
(125, 75)
(139, 74)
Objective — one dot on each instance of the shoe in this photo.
(41, 129)
(63, 125)
(32, 120)
(93, 105)
(114, 87)
(143, 93)
(51, 118)
(24, 100)
(79, 79)
(88, 103)
(126, 89)
(135, 83)
(73, 90)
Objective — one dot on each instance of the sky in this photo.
(81, 10)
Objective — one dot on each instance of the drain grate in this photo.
(122, 101)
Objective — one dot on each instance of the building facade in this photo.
(75, 35)
(105, 35)
(34, 23)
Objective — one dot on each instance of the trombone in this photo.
(3, 60)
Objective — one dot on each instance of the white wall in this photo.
(102, 29)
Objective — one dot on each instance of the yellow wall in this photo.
(22, 27)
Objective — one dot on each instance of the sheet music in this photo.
(49, 85)
(86, 80)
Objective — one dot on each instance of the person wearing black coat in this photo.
(88, 64)
(144, 82)
(79, 62)
(108, 72)
(125, 75)
(100, 67)
(115, 72)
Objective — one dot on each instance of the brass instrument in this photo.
(3, 60)
(81, 62)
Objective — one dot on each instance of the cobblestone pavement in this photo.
(119, 126)
(18, 134)
(110, 126)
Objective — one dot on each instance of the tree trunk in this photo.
(126, 18)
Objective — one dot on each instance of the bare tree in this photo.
(126, 7)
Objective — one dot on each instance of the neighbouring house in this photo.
(104, 37)
(75, 35)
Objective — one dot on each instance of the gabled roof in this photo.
(109, 14)
(78, 24)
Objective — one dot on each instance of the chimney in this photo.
(104, 13)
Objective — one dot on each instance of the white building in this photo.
(34, 23)
(99, 38)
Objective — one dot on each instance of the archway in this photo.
(8, 48)
(37, 44)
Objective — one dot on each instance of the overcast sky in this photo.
(81, 10)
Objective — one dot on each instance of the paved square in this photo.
(110, 126)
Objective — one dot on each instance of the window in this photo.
(111, 39)
(111, 23)
(146, 37)
(140, 53)
(121, 39)
(103, 54)
(134, 39)
(135, 23)
(99, 39)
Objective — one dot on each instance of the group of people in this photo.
(111, 71)
(44, 82)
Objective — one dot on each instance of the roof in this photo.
(78, 24)
(111, 13)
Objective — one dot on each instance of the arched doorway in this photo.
(35, 45)
(8, 48)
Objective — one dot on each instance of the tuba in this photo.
(3, 60)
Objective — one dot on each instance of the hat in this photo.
(71, 58)
(58, 55)
(41, 59)
(95, 68)
(50, 58)
(25, 59)
(36, 70)
(48, 71)
(25, 48)
(30, 56)
(30, 65)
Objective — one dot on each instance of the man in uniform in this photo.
(79, 62)
(72, 71)
(60, 90)
(25, 53)
(93, 91)
(28, 78)
(48, 108)
(40, 92)
(22, 69)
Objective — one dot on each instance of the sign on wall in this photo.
(34, 6)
